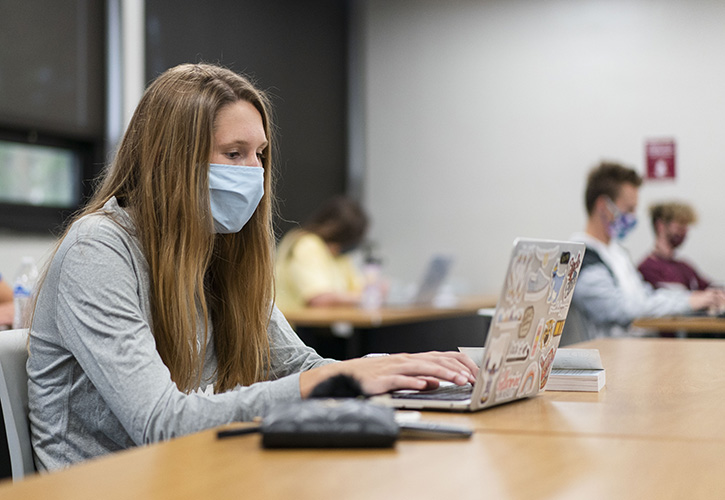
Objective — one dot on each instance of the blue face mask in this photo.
(622, 224)
(234, 193)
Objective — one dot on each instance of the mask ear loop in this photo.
(615, 211)
(621, 223)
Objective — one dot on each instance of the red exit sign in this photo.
(660, 158)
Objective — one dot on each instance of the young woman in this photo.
(155, 317)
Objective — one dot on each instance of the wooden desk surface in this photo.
(655, 388)
(687, 324)
(655, 431)
(490, 465)
(361, 318)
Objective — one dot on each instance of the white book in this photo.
(576, 370)
(576, 380)
(572, 369)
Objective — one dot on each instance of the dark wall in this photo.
(52, 67)
(52, 91)
(297, 52)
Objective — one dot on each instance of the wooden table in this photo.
(490, 465)
(393, 329)
(655, 431)
(670, 389)
(683, 325)
(356, 317)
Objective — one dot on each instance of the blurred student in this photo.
(313, 267)
(610, 293)
(6, 304)
(156, 317)
(660, 268)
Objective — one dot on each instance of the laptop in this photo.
(433, 279)
(524, 334)
(434, 276)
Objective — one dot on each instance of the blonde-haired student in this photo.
(661, 268)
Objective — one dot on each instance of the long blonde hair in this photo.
(160, 174)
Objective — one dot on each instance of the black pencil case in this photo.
(329, 423)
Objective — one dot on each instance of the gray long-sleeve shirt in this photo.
(96, 381)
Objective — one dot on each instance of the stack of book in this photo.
(572, 369)
(576, 370)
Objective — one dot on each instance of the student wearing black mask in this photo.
(670, 222)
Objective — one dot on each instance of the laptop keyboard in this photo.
(444, 393)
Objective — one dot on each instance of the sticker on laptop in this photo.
(538, 283)
(558, 277)
(509, 317)
(544, 255)
(563, 279)
(518, 350)
(508, 383)
(492, 362)
(536, 344)
(536, 286)
(530, 379)
(572, 275)
(526, 320)
(546, 362)
(517, 278)
(547, 334)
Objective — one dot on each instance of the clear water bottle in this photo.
(23, 290)
(372, 293)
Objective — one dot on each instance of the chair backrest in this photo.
(14, 400)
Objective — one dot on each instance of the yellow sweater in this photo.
(305, 268)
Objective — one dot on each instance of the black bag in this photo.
(329, 423)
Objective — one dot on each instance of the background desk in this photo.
(684, 326)
(347, 332)
(655, 431)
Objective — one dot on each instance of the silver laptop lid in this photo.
(529, 318)
(435, 274)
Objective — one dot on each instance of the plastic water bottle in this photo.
(23, 290)
(372, 293)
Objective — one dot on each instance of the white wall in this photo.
(483, 118)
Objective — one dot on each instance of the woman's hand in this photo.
(382, 374)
